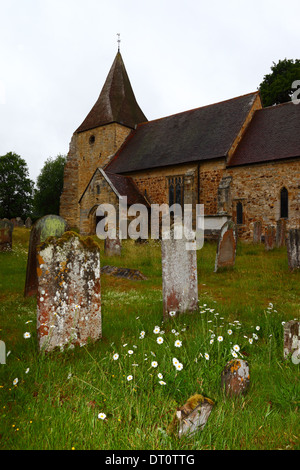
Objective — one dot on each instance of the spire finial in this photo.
(119, 41)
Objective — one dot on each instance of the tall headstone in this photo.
(291, 341)
(293, 248)
(281, 229)
(6, 230)
(69, 292)
(227, 243)
(179, 272)
(257, 231)
(270, 237)
(28, 222)
(47, 226)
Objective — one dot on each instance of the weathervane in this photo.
(119, 41)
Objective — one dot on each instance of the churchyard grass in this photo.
(122, 392)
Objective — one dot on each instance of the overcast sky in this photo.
(179, 54)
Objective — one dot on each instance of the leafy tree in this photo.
(276, 86)
(16, 189)
(49, 186)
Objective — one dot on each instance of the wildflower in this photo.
(27, 335)
(257, 328)
(206, 356)
(130, 352)
(178, 344)
(27, 370)
(179, 366)
(15, 381)
(156, 330)
(160, 376)
(173, 331)
(236, 348)
(234, 354)
(175, 361)
(250, 340)
(220, 338)
(101, 416)
(154, 364)
(129, 377)
(160, 340)
(172, 314)
(255, 336)
(229, 332)
(116, 357)
(211, 341)
(161, 382)
(142, 334)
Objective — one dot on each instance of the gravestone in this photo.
(6, 230)
(235, 377)
(112, 247)
(126, 273)
(293, 248)
(291, 341)
(19, 222)
(69, 292)
(47, 226)
(226, 250)
(281, 229)
(28, 222)
(192, 416)
(2, 353)
(270, 237)
(179, 272)
(257, 231)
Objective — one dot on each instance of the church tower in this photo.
(114, 115)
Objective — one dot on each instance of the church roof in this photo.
(273, 134)
(116, 102)
(200, 134)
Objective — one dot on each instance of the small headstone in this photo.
(235, 378)
(191, 417)
(47, 226)
(112, 246)
(291, 341)
(179, 273)
(257, 231)
(227, 243)
(28, 222)
(6, 230)
(19, 222)
(293, 248)
(126, 273)
(270, 237)
(281, 228)
(69, 292)
(2, 353)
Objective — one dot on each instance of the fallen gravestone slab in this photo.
(126, 273)
(191, 417)
(226, 250)
(235, 377)
(69, 292)
(6, 230)
(47, 226)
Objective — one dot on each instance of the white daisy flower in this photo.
(129, 378)
(101, 416)
(172, 314)
(16, 380)
(178, 344)
(206, 356)
(154, 364)
(27, 335)
(160, 340)
(156, 330)
(220, 338)
(236, 348)
(160, 376)
(116, 357)
(229, 332)
(130, 352)
(162, 382)
(179, 366)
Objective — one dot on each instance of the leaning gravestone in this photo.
(291, 341)
(191, 417)
(112, 246)
(6, 230)
(69, 292)
(270, 237)
(235, 377)
(257, 231)
(179, 272)
(47, 226)
(226, 250)
(293, 248)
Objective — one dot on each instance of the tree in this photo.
(16, 188)
(276, 86)
(49, 186)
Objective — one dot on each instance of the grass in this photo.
(58, 398)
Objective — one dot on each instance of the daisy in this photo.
(129, 377)
(234, 354)
(27, 370)
(178, 344)
(229, 332)
(154, 364)
(27, 335)
(220, 338)
(236, 348)
(116, 357)
(211, 341)
(160, 340)
(160, 376)
(255, 336)
(130, 351)
(250, 340)
(156, 330)
(172, 314)
(15, 381)
(162, 382)
(142, 334)
(257, 328)
(179, 366)
(101, 416)
(175, 361)
(206, 356)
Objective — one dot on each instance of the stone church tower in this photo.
(115, 114)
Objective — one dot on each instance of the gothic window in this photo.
(98, 188)
(284, 203)
(176, 190)
(239, 213)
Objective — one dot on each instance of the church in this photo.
(238, 159)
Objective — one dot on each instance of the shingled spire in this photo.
(116, 102)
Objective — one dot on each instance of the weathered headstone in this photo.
(257, 231)
(291, 341)
(293, 248)
(126, 273)
(6, 230)
(28, 222)
(112, 246)
(192, 416)
(19, 222)
(2, 353)
(47, 226)
(227, 243)
(270, 237)
(179, 272)
(281, 229)
(235, 377)
(69, 292)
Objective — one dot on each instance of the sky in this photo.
(179, 55)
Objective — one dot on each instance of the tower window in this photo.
(239, 213)
(284, 203)
(92, 139)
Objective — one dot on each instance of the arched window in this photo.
(239, 213)
(98, 188)
(284, 203)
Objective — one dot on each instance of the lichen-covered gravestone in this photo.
(191, 417)
(6, 230)
(293, 248)
(270, 237)
(226, 250)
(291, 341)
(69, 292)
(179, 273)
(235, 377)
(47, 226)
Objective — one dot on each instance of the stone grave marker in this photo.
(6, 230)
(270, 237)
(179, 272)
(291, 341)
(192, 416)
(69, 292)
(28, 222)
(47, 226)
(257, 231)
(126, 273)
(281, 230)
(235, 377)
(227, 243)
(293, 248)
(19, 222)
(2, 352)
(112, 246)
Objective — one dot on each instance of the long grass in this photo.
(58, 400)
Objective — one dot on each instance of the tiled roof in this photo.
(116, 102)
(126, 187)
(273, 134)
(199, 134)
